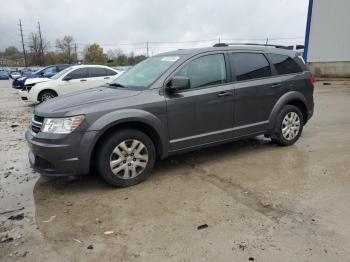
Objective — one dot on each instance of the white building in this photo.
(327, 40)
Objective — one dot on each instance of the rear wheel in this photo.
(126, 158)
(289, 126)
(46, 95)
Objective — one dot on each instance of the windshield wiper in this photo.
(116, 85)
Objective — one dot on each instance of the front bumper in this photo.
(25, 96)
(60, 155)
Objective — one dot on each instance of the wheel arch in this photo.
(147, 124)
(45, 89)
(292, 98)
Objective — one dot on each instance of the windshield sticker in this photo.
(170, 58)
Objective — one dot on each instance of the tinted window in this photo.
(205, 71)
(79, 73)
(110, 72)
(97, 71)
(284, 64)
(250, 66)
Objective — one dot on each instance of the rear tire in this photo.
(46, 95)
(288, 126)
(126, 158)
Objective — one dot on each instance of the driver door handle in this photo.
(107, 77)
(82, 80)
(276, 85)
(222, 94)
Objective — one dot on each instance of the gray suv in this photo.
(172, 103)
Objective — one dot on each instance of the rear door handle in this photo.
(276, 85)
(107, 77)
(222, 94)
(82, 80)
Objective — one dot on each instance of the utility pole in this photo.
(41, 43)
(147, 48)
(24, 51)
(76, 54)
(267, 40)
(219, 40)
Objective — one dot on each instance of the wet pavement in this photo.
(260, 202)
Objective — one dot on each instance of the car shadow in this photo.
(162, 167)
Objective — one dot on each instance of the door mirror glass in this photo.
(178, 83)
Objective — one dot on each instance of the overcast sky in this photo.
(113, 22)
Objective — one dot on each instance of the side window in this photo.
(250, 66)
(97, 72)
(50, 70)
(60, 68)
(205, 71)
(284, 64)
(111, 72)
(79, 73)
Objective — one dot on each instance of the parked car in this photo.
(169, 104)
(4, 75)
(44, 72)
(71, 79)
(15, 74)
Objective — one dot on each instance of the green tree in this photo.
(94, 55)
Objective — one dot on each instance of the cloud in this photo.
(110, 23)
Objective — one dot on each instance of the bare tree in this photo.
(66, 49)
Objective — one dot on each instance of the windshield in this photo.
(145, 73)
(59, 74)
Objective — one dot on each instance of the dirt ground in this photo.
(260, 202)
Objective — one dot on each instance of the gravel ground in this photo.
(252, 200)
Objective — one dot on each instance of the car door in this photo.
(111, 75)
(97, 76)
(204, 113)
(75, 80)
(256, 91)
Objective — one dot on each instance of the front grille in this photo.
(37, 122)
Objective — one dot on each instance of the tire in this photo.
(46, 95)
(130, 167)
(289, 126)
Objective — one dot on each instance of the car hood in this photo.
(62, 105)
(29, 81)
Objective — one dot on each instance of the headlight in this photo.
(64, 125)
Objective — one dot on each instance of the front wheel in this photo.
(126, 158)
(289, 126)
(46, 95)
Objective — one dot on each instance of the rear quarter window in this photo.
(250, 66)
(284, 64)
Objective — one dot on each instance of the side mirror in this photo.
(67, 78)
(42, 73)
(178, 83)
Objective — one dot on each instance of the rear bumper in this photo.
(60, 155)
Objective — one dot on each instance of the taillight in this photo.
(312, 79)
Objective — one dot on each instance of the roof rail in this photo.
(252, 44)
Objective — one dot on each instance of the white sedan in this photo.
(69, 80)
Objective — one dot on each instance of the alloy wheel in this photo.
(290, 126)
(129, 159)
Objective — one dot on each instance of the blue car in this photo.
(45, 72)
(4, 75)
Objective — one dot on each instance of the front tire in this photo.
(46, 95)
(289, 126)
(126, 158)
